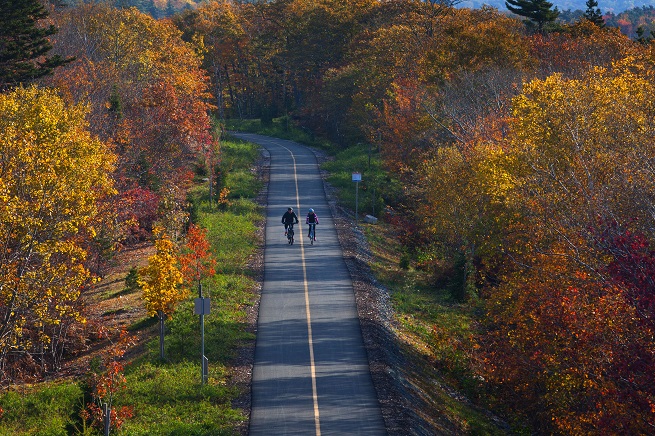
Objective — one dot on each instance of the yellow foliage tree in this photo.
(52, 174)
(161, 281)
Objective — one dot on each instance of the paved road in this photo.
(311, 374)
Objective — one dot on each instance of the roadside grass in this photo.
(436, 333)
(375, 186)
(42, 409)
(167, 397)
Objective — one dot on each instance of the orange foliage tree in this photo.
(147, 93)
(107, 381)
(196, 261)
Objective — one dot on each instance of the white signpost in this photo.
(357, 177)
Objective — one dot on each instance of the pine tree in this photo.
(23, 44)
(539, 12)
(593, 13)
(642, 37)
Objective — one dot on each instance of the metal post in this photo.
(106, 410)
(357, 177)
(205, 369)
(356, 201)
(202, 338)
(202, 308)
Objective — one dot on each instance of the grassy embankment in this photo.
(167, 397)
(435, 329)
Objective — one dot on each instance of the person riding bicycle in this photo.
(288, 219)
(311, 220)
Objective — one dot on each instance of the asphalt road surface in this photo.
(311, 374)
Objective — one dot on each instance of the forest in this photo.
(524, 152)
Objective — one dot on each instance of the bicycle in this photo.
(312, 235)
(290, 234)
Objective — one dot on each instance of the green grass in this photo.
(167, 397)
(170, 398)
(437, 331)
(171, 401)
(46, 409)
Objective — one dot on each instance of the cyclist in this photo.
(288, 219)
(311, 220)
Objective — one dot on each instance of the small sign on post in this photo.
(357, 177)
(202, 306)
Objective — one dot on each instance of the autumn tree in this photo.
(196, 261)
(52, 174)
(565, 318)
(107, 380)
(577, 48)
(161, 281)
(219, 31)
(148, 97)
(24, 43)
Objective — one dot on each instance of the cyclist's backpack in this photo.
(311, 218)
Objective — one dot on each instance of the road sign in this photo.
(202, 306)
(357, 177)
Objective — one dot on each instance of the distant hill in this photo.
(156, 8)
(614, 6)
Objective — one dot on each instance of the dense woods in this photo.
(526, 160)
(95, 153)
(525, 153)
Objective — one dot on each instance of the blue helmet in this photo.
(311, 210)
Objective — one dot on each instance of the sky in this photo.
(615, 6)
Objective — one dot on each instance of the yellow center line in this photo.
(312, 365)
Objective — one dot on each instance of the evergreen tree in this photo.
(539, 12)
(642, 38)
(593, 13)
(170, 9)
(24, 45)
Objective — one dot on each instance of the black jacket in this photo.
(289, 218)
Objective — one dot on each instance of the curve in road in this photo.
(311, 373)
